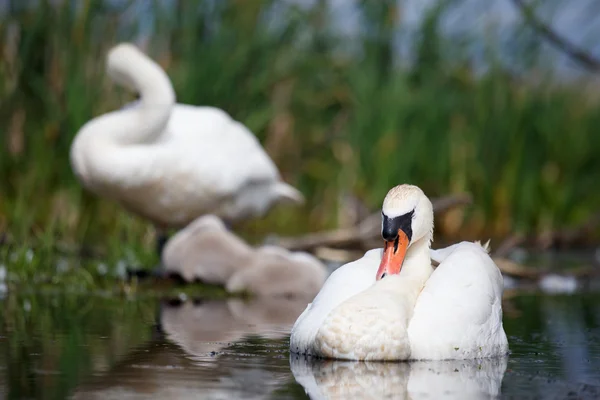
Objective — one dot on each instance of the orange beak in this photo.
(393, 256)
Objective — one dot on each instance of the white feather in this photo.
(458, 315)
(343, 283)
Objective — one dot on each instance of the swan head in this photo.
(407, 217)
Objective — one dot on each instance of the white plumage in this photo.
(343, 283)
(453, 312)
(458, 315)
(172, 162)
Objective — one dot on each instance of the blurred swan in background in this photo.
(464, 379)
(410, 312)
(171, 163)
(205, 250)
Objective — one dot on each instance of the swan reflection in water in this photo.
(204, 327)
(453, 379)
(217, 349)
(205, 349)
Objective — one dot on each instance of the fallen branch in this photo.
(341, 256)
(508, 244)
(567, 237)
(511, 268)
(366, 231)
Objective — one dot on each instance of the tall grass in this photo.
(334, 122)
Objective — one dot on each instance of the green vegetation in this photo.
(335, 123)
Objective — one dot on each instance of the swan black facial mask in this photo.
(397, 234)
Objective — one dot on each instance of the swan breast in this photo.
(369, 326)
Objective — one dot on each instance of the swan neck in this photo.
(417, 263)
(419, 247)
(154, 87)
(157, 99)
(153, 84)
(144, 123)
(140, 125)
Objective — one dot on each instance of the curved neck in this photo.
(152, 83)
(417, 262)
(144, 122)
(416, 270)
(140, 125)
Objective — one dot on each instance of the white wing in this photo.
(459, 312)
(224, 154)
(204, 162)
(343, 283)
(440, 255)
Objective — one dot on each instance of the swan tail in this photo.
(288, 193)
(439, 255)
(486, 246)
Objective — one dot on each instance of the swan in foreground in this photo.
(391, 305)
(171, 163)
(205, 250)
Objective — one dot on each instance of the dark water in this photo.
(87, 347)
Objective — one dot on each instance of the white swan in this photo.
(413, 312)
(171, 163)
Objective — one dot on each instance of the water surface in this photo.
(58, 346)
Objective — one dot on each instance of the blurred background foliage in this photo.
(345, 117)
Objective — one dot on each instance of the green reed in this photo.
(335, 123)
